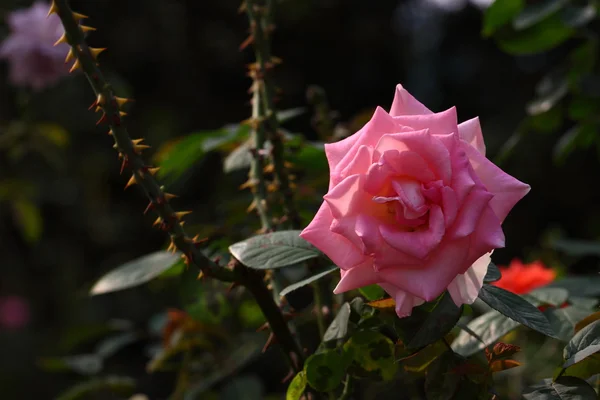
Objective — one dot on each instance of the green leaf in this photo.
(490, 327)
(240, 158)
(552, 296)
(583, 286)
(500, 13)
(274, 250)
(28, 219)
(247, 387)
(325, 371)
(84, 390)
(585, 343)
(297, 386)
(584, 369)
(338, 329)
(493, 274)
(420, 361)
(564, 388)
(576, 17)
(372, 355)
(537, 12)
(584, 303)
(84, 364)
(437, 324)
(582, 107)
(441, 383)
(516, 308)
(372, 292)
(111, 345)
(563, 320)
(136, 272)
(579, 136)
(318, 275)
(285, 115)
(541, 37)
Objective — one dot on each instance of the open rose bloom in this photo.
(522, 278)
(33, 59)
(413, 205)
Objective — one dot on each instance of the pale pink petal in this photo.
(470, 213)
(488, 235)
(405, 104)
(393, 163)
(506, 189)
(449, 205)
(411, 197)
(441, 123)
(339, 154)
(428, 146)
(357, 277)
(465, 288)
(429, 280)
(348, 197)
(339, 249)
(405, 302)
(360, 164)
(470, 132)
(419, 243)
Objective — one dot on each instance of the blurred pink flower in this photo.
(29, 48)
(14, 312)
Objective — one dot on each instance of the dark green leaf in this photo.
(274, 250)
(552, 296)
(420, 361)
(584, 303)
(85, 390)
(490, 327)
(564, 388)
(297, 386)
(583, 286)
(110, 346)
(372, 355)
(583, 369)
(500, 13)
(318, 275)
(437, 324)
(372, 292)
(493, 274)
(136, 272)
(563, 320)
(516, 308)
(541, 37)
(84, 364)
(537, 12)
(339, 326)
(325, 371)
(441, 383)
(575, 247)
(578, 16)
(248, 387)
(585, 343)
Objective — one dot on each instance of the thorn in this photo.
(124, 164)
(137, 141)
(76, 65)
(196, 240)
(272, 187)
(98, 108)
(96, 50)
(79, 17)
(170, 196)
(122, 113)
(53, 9)
(86, 28)
(153, 171)
(110, 132)
(139, 147)
(294, 358)
(62, 39)
(271, 340)
(289, 376)
(70, 55)
(248, 184)
(158, 221)
(172, 247)
(102, 119)
(150, 207)
(131, 182)
(100, 100)
(122, 100)
(269, 168)
(201, 275)
(263, 327)
(249, 40)
(251, 207)
(181, 214)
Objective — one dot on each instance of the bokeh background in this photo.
(65, 218)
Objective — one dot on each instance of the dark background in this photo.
(179, 59)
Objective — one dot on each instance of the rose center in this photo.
(404, 201)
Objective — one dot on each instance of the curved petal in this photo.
(360, 164)
(405, 302)
(339, 249)
(470, 213)
(405, 104)
(430, 280)
(441, 123)
(393, 163)
(348, 197)
(465, 288)
(470, 132)
(488, 235)
(339, 154)
(506, 189)
(357, 277)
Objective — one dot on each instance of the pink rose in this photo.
(413, 205)
(33, 59)
(14, 312)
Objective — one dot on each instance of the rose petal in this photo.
(506, 189)
(470, 132)
(405, 104)
(339, 249)
(405, 302)
(470, 213)
(393, 163)
(488, 235)
(465, 288)
(360, 164)
(441, 123)
(348, 197)
(357, 277)
(411, 197)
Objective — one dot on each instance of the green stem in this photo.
(159, 203)
(347, 392)
(260, 26)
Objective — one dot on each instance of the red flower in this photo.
(522, 278)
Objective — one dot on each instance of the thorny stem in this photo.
(130, 152)
(260, 27)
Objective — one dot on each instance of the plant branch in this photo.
(259, 17)
(169, 220)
